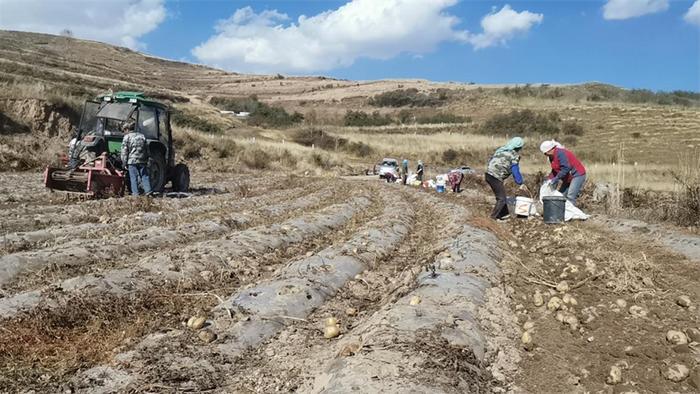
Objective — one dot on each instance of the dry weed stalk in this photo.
(630, 274)
(615, 200)
(687, 195)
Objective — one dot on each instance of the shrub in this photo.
(528, 122)
(190, 152)
(406, 116)
(639, 96)
(571, 127)
(359, 149)
(409, 97)
(543, 91)
(360, 118)
(182, 119)
(443, 118)
(287, 159)
(261, 114)
(519, 91)
(525, 122)
(225, 148)
(188, 146)
(450, 156)
(681, 207)
(266, 115)
(322, 140)
(569, 140)
(636, 135)
(237, 104)
(600, 92)
(317, 138)
(553, 93)
(686, 205)
(256, 158)
(321, 160)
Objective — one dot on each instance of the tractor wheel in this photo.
(181, 178)
(156, 173)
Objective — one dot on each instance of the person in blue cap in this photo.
(504, 163)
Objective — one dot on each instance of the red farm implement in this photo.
(97, 177)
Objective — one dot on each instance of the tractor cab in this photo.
(99, 136)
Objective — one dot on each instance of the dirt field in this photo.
(427, 295)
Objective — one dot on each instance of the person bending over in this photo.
(504, 163)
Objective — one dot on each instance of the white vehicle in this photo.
(388, 165)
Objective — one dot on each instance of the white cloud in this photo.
(270, 42)
(693, 14)
(121, 22)
(503, 25)
(625, 9)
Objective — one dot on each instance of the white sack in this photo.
(570, 212)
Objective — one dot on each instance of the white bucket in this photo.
(524, 206)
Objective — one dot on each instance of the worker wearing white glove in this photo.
(566, 167)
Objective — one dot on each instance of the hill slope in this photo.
(45, 78)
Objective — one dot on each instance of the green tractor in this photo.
(93, 165)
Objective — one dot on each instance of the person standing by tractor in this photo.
(504, 162)
(134, 155)
(566, 167)
(404, 171)
(419, 171)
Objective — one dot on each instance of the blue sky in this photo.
(652, 44)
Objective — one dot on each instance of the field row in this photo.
(277, 264)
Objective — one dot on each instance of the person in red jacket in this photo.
(566, 167)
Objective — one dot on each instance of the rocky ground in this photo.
(335, 285)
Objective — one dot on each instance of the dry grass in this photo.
(42, 91)
(265, 150)
(414, 145)
(629, 273)
(46, 346)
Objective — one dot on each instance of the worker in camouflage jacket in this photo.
(504, 163)
(134, 156)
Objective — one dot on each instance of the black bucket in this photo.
(554, 208)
